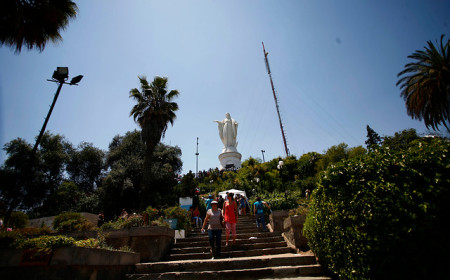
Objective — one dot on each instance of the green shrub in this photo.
(18, 220)
(182, 216)
(69, 221)
(46, 242)
(8, 239)
(33, 232)
(153, 213)
(132, 221)
(384, 215)
(281, 200)
(300, 210)
(111, 225)
(160, 222)
(88, 243)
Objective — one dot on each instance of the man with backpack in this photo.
(258, 210)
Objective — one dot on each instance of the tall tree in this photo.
(400, 140)
(32, 23)
(373, 139)
(86, 166)
(426, 85)
(153, 112)
(21, 187)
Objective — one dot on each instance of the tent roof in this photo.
(224, 193)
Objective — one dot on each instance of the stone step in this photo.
(238, 230)
(233, 253)
(241, 274)
(226, 263)
(205, 242)
(242, 247)
(238, 236)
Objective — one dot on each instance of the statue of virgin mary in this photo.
(228, 133)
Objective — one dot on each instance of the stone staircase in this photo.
(256, 255)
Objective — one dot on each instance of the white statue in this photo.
(228, 133)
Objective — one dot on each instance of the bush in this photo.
(33, 232)
(68, 222)
(281, 200)
(46, 242)
(8, 239)
(132, 221)
(160, 222)
(384, 215)
(111, 225)
(182, 216)
(88, 243)
(18, 220)
(153, 213)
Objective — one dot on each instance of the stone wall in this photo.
(276, 219)
(47, 221)
(68, 263)
(153, 243)
(293, 232)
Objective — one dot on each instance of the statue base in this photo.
(230, 160)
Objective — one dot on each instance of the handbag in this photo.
(222, 220)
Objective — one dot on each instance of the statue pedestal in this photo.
(228, 158)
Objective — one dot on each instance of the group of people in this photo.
(227, 217)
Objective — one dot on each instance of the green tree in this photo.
(53, 153)
(400, 140)
(165, 166)
(186, 188)
(32, 23)
(334, 154)
(121, 186)
(65, 198)
(370, 215)
(153, 112)
(86, 166)
(373, 139)
(21, 187)
(356, 152)
(425, 85)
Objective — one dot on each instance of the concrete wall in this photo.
(47, 221)
(276, 219)
(153, 243)
(68, 263)
(293, 232)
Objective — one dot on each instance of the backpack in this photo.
(259, 207)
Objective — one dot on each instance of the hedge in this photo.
(384, 215)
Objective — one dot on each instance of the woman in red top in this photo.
(230, 213)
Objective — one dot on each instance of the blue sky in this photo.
(334, 66)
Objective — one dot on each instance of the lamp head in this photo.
(61, 74)
(76, 80)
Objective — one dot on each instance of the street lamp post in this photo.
(280, 167)
(59, 76)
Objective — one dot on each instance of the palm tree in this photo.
(426, 85)
(33, 23)
(153, 112)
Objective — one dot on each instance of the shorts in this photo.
(230, 227)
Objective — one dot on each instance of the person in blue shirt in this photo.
(258, 210)
(208, 202)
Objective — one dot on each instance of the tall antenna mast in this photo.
(276, 100)
(196, 163)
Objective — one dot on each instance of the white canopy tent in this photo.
(224, 193)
